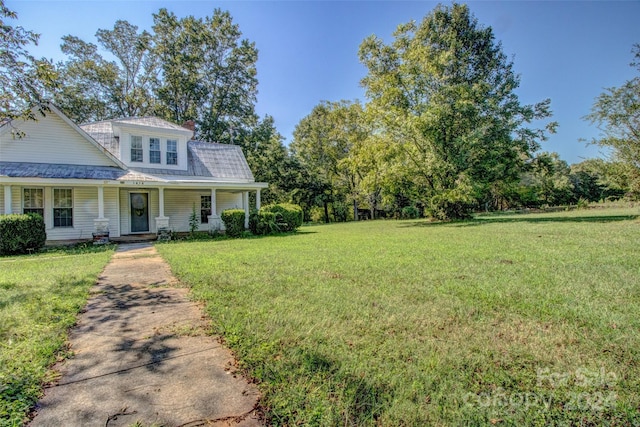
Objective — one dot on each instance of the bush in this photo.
(456, 203)
(233, 222)
(288, 217)
(263, 222)
(21, 233)
(410, 212)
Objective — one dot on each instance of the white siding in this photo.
(111, 210)
(178, 205)
(1, 199)
(51, 140)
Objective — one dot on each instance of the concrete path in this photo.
(141, 355)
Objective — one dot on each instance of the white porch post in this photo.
(258, 199)
(7, 200)
(100, 224)
(162, 222)
(245, 203)
(161, 201)
(100, 202)
(214, 219)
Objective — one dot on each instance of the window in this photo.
(33, 201)
(205, 209)
(62, 207)
(136, 148)
(172, 152)
(154, 150)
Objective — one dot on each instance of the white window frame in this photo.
(138, 150)
(153, 151)
(54, 207)
(172, 155)
(32, 208)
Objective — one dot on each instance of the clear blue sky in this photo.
(566, 51)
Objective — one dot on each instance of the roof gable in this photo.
(53, 138)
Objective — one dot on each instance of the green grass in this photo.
(506, 320)
(40, 296)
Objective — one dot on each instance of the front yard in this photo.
(506, 320)
(40, 296)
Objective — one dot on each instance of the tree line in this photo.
(442, 131)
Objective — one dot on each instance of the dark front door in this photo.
(139, 212)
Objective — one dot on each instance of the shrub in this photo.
(233, 222)
(410, 212)
(21, 233)
(287, 216)
(263, 222)
(455, 203)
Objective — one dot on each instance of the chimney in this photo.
(191, 125)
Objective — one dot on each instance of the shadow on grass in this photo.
(525, 218)
(224, 238)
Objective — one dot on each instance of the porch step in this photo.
(134, 238)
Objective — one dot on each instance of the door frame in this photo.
(131, 192)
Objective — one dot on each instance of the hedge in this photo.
(21, 233)
(233, 222)
(289, 217)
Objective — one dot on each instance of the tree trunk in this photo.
(355, 210)
(326, 212)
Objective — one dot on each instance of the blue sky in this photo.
(564, 50)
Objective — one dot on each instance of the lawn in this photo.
(40, 296)
(506, 320)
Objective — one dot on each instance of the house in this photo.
(127, 176)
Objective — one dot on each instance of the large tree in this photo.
(93, 88)
(444, 92)
(207, 73)
(617, 114)
(24, 79)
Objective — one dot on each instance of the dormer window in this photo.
(172, 152)
(136, 148)
(154, 150)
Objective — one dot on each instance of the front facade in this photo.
(122, 177)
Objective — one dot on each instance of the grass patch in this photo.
(507, 320)
(40, 296)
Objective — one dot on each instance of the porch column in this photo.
(161, 201)
(100, 224)
(258, 199)
(7, 200)
(214, 219)
(100, 202)
(245, 203)
(162, 222)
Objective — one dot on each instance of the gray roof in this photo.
(205, 159)
(59, 171)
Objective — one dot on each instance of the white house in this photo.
(129, 176)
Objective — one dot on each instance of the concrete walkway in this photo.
(141, 355)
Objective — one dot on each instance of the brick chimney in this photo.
(191, 125)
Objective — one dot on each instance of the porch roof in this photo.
(61, 171)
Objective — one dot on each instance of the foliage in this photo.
(456, 203)
(233, 220)
(40, 296)
(194, 221)
(24, 79)
(410, 212)
(444, 92)
(93, 88)
(20, 234)
(207, 73)
(289, 217)
(617, 114)
(262, 223)
(384, 323)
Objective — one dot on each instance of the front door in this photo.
(139, 212)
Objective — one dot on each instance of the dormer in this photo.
(153, 143)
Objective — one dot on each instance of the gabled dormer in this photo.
(144, 142)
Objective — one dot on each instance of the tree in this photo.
(322, 141)
(25, 80)
(444, 93)
(207, 73)
(616, 112)
(93, 88)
